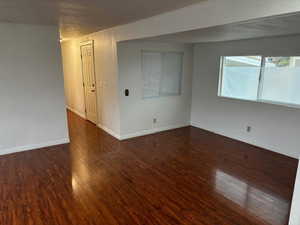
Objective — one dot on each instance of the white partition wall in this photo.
(295, 210)
(32, 111)
(274, 127)
(164, 106)
(203, 15)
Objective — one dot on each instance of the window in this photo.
(281, 80)
(263, 79)
(241, 77)
(162, 73)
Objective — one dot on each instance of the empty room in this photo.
(150, 112)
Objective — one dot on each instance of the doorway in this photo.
(89, 81)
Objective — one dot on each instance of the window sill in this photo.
(264, 101)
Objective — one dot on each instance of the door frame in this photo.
(91, 43)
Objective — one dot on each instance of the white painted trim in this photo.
(109, 131)
(76, 112)
(91, 43)
(197, 125)
(34, 146)
(152, 131)
(88, 42)
(295, 209)
(140, 133)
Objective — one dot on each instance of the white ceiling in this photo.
(276, 26)
(78, 17)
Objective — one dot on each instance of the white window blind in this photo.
(162, 73)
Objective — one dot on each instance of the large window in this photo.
(264, 79)
(162, 73)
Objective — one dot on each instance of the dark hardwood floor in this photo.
(184, 176)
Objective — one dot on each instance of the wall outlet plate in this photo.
(248, 129)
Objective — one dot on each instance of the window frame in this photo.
(182, 53)
(260, 82)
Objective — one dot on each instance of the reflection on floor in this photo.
(269, 207)
(184, 176)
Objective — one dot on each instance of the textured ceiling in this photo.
(276, 26)
(78, 17)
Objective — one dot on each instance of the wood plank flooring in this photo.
(184, 176)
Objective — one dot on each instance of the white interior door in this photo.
(89, 81)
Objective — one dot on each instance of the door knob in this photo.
(92, 90)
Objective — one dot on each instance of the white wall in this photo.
(295, 210)
(106, 68)
(31, 88)
(205, 14)
(73, 77)
(273, 127)
(137, 113)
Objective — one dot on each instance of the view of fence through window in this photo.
(263, 79)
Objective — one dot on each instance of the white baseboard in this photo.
(82, 115)
(197, 125)
(109, 131)
(140, 133)
(152, 131)
(34, 146)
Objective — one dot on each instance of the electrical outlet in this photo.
(248, 129)
(154, 120)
